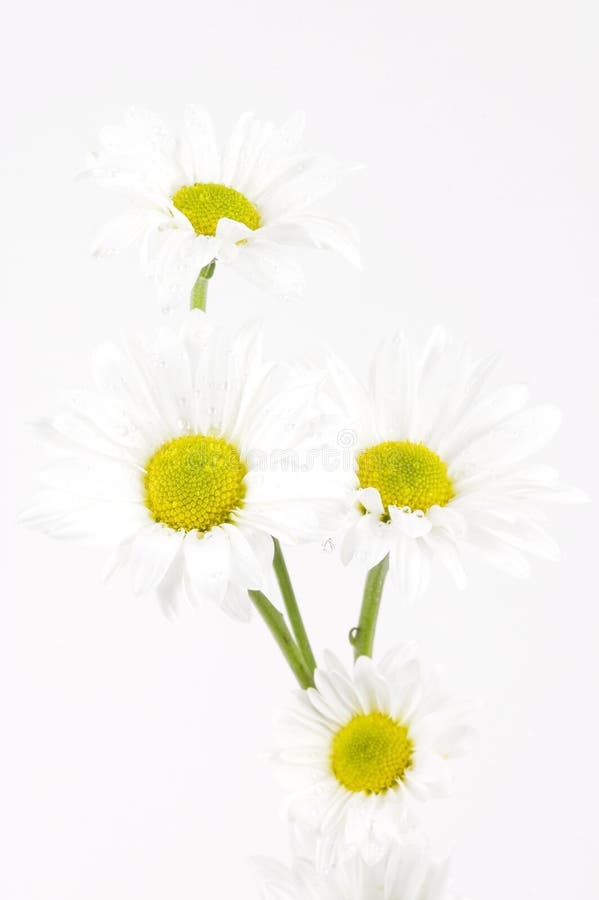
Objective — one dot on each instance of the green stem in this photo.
(291, 605)
(363, 636)
(276, 624)
(199, 292)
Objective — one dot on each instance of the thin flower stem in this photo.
(362, 637)
(279, 630)
(199, 292)
(291, 605)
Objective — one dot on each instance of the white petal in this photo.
(172, 591)
(238, 150)
(122, 231)
(318, 233)
(231, 231)
(152, 552)
(301, 184)
(447, 552)
(199, 152)
(236, 603)
(528, 536)
(370, 499)
(367, 541)
(208, 564)
(502, 556)
(514, 439)
(268, 267)
(412, 524)
(246, 571)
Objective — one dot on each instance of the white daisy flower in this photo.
(405, 873)
(361, 751)
(441, 464)
(170, 460)
(192, 204)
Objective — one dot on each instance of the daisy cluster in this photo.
(172, 463)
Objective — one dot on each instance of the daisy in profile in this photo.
(194, 206)
(170, 461)
(404, 873)
(361, 751)
(442, 465)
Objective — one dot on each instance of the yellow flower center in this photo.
(194, 481)
(206, 204)
(371, 753)
(405, 474)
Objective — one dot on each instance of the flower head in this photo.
(404, 873)
(243, 206)
(171, 461)
(441, 464)
(363, 749)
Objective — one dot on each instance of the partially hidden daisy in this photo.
(361, 751)
(441, 464)
(174, 460)
(192, 204)
(404, 873)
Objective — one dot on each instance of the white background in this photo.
(130, 746)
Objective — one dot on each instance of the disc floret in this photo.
(206, 204)
(406, 474)
(194, 482)
(371, 753)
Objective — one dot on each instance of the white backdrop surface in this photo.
(130, 746)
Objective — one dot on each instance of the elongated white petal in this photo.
(270, 268)
(316, 232)
(124, 230)
(515, 439)
(152, 552)
(370, 499)
(199, 151)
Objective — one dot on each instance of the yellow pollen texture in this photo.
(405, 474)
(206, 204)
(371, 753)
(194, 481)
